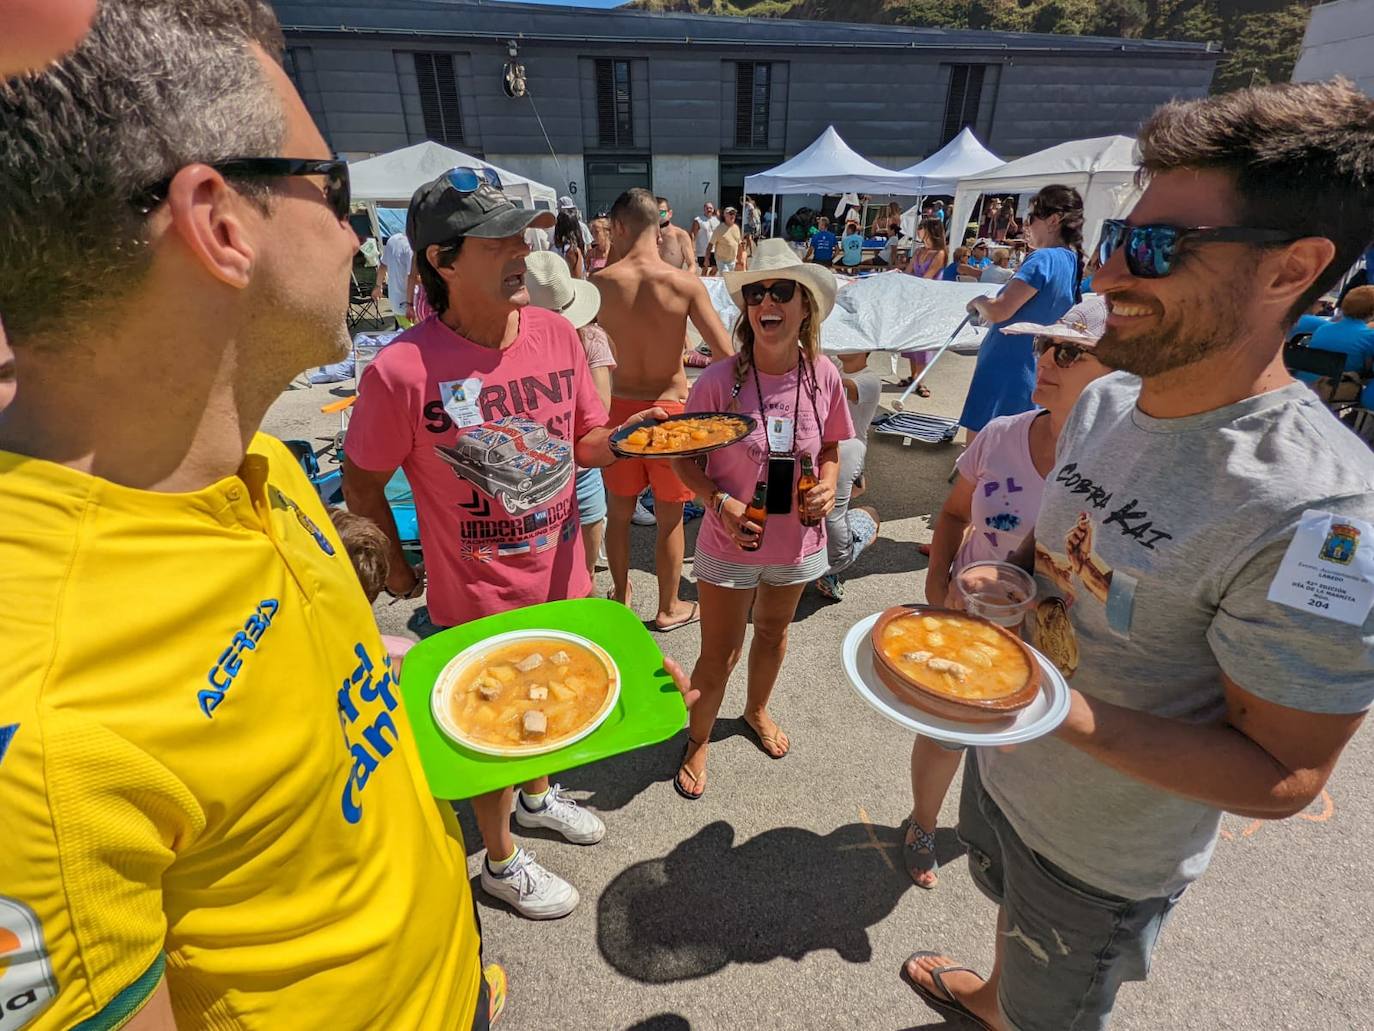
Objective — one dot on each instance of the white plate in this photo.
(1048, 710)
(453, 672)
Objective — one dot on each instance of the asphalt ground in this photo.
(779, 899)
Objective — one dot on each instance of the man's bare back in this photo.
(645, 305)
(675, 247)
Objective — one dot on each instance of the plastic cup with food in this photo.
(997, 591)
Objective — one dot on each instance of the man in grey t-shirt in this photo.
(1205, 557)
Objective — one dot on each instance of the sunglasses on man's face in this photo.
(1152, 250)
(470, 180)
(338, 193)
(1065, 355)
(782, 291)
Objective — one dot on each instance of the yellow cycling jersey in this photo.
(205, 768)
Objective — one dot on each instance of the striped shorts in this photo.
(742, 576)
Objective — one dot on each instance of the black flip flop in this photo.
(695, 617)
(947, 1004)
(677, 775)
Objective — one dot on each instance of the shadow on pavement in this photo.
(663, 1022)
(785, 893)
(615, 782)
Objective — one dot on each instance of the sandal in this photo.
(692, 617)
(768, 742)
(922, 390)
(697, 779)
(919, 855)
(945, 1004)
(905, 382)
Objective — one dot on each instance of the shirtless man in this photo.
(645, 305)
(674, 243)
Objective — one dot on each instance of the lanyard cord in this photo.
(802, 367)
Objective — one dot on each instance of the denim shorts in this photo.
(1069, 946)
(591, 497)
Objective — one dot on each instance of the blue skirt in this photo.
(1003, 379)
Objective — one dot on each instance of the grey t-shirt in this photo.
(1189, 520)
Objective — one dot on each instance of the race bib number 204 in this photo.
(1328, 569)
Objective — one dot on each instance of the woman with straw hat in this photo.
(744, 563)
(551, 285)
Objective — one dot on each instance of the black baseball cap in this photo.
(440, 212)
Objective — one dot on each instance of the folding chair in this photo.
(1340, 390)
(361, 305)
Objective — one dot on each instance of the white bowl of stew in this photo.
(483, 696)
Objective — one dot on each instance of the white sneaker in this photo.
(642, 516)
(532, 891)
(560, 813)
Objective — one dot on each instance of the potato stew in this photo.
(533, 691)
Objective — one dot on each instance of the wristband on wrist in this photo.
(718, 500)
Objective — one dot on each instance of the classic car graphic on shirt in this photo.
(513, 460)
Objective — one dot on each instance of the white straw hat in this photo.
(552, 286)
(1084, 323)
(775, 259)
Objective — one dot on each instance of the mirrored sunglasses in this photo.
(469, 180)
(1151, 250)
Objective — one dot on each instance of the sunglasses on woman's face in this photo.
(1065, 355)
(1151, 250)
(781, 290)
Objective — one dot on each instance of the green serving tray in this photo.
(648, 711)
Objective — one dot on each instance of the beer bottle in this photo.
(757, 512)
(805, 482)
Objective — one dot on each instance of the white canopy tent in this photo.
(829, 165)
(389, 180)
(1102, 169)
(958, 159)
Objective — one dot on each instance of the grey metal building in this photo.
(1339, 41)
(690, 104)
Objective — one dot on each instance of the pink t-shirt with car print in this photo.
(485, 437)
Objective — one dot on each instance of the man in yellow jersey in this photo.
(211, 808)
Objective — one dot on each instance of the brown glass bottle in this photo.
(805, 483)
(757, 512)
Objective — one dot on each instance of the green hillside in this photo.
(1261, 37)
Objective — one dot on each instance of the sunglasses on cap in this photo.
(470, 180)
(1152, 249)
(1066, 355)
(781, 290)
(338, 193)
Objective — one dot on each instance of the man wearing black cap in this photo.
(488, 407)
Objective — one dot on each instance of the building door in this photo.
(732, 173)
(608, 178)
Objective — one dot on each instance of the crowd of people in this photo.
(214, 811)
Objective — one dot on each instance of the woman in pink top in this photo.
(927, 262)
(988, 513)
(599, 253)
(800, 406)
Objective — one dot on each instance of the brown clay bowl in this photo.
(965, 710)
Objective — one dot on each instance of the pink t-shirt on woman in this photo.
(737, 468)
(1006, 489)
